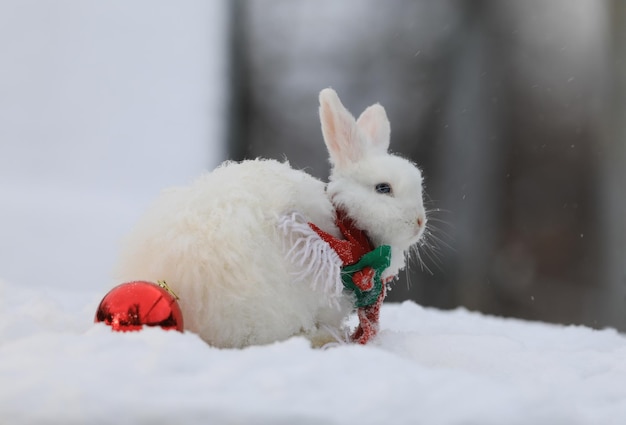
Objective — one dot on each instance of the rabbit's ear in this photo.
(374, 124)
(339, 129)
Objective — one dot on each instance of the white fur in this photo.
(235, 247)
(360, 160)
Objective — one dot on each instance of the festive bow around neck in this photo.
(365, 276)
(363, 266)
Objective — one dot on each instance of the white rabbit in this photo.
(236, 248)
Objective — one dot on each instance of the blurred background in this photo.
(515, 111)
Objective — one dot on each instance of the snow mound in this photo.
(426, 366)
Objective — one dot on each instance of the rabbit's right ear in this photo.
(339, 129)
(374, 124)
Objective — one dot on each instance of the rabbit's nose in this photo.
(421, 221)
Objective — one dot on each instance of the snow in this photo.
(427, 366)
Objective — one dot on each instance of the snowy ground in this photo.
(427, 366)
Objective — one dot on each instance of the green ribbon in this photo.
(378, 259)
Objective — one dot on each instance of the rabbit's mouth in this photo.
(418, 235)
(415, 235)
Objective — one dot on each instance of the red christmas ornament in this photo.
(131, 305)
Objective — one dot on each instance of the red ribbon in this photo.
(355, 244)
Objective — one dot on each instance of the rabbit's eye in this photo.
(383, 188)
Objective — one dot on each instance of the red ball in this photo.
(131, 305)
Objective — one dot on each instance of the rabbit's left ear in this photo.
(340, 131)
(374, 124)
